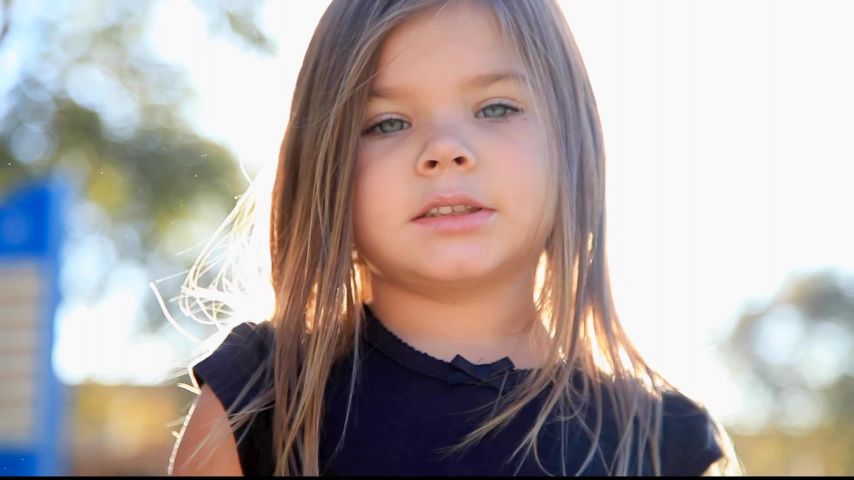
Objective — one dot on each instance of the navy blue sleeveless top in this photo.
(408, 405)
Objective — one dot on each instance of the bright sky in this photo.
(727, 127)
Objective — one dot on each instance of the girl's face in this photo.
(448, 116)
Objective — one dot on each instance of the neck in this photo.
(482, 323)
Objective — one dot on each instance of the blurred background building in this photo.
(727, 127)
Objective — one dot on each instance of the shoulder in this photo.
(206, 445)
(688, 440)
(234, 362)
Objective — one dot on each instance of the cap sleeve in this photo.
(688, 441)
(232, 364)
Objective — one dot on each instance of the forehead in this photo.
(462, 39)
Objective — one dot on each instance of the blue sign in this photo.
(31, 397)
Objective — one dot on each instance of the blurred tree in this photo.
(797, 353)
(88, 100)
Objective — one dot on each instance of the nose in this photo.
(443, 152)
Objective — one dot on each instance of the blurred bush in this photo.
(795, 359)
(83, 96)
(123, 429)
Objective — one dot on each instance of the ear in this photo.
(363, 276)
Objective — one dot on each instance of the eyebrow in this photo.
(478, 81)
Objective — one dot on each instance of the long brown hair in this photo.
(319, 284)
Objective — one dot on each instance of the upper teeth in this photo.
(449, 209)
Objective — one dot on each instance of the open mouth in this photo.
(450, 212)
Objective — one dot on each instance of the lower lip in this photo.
(457, 223)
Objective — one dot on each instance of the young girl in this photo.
(437, 249)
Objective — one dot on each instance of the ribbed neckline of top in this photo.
(408, 356)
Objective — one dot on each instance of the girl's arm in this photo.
(724, 467)
(206, 445)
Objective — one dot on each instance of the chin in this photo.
(457, 271)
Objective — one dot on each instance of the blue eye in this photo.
(394, 125)
(386, 126)
(495, 110)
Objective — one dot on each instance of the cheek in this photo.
(376, 201)
(522, 169)
(533, 200)
(531, 193)
(362, 202)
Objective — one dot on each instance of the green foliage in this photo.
(91, 103)
(798, 352)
